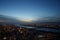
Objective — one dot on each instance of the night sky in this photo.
(31, 10)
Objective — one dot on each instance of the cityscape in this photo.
(12, 32)
(29, 19)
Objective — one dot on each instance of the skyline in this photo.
(30, 10)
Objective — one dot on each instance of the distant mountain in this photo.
(3, 17)
(48, 20)
(8, 19)
(11, 20)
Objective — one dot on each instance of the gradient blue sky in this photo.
(30, 9)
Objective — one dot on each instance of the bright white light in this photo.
(4, 38)
(40, 36)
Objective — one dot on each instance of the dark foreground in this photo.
(12, 32)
